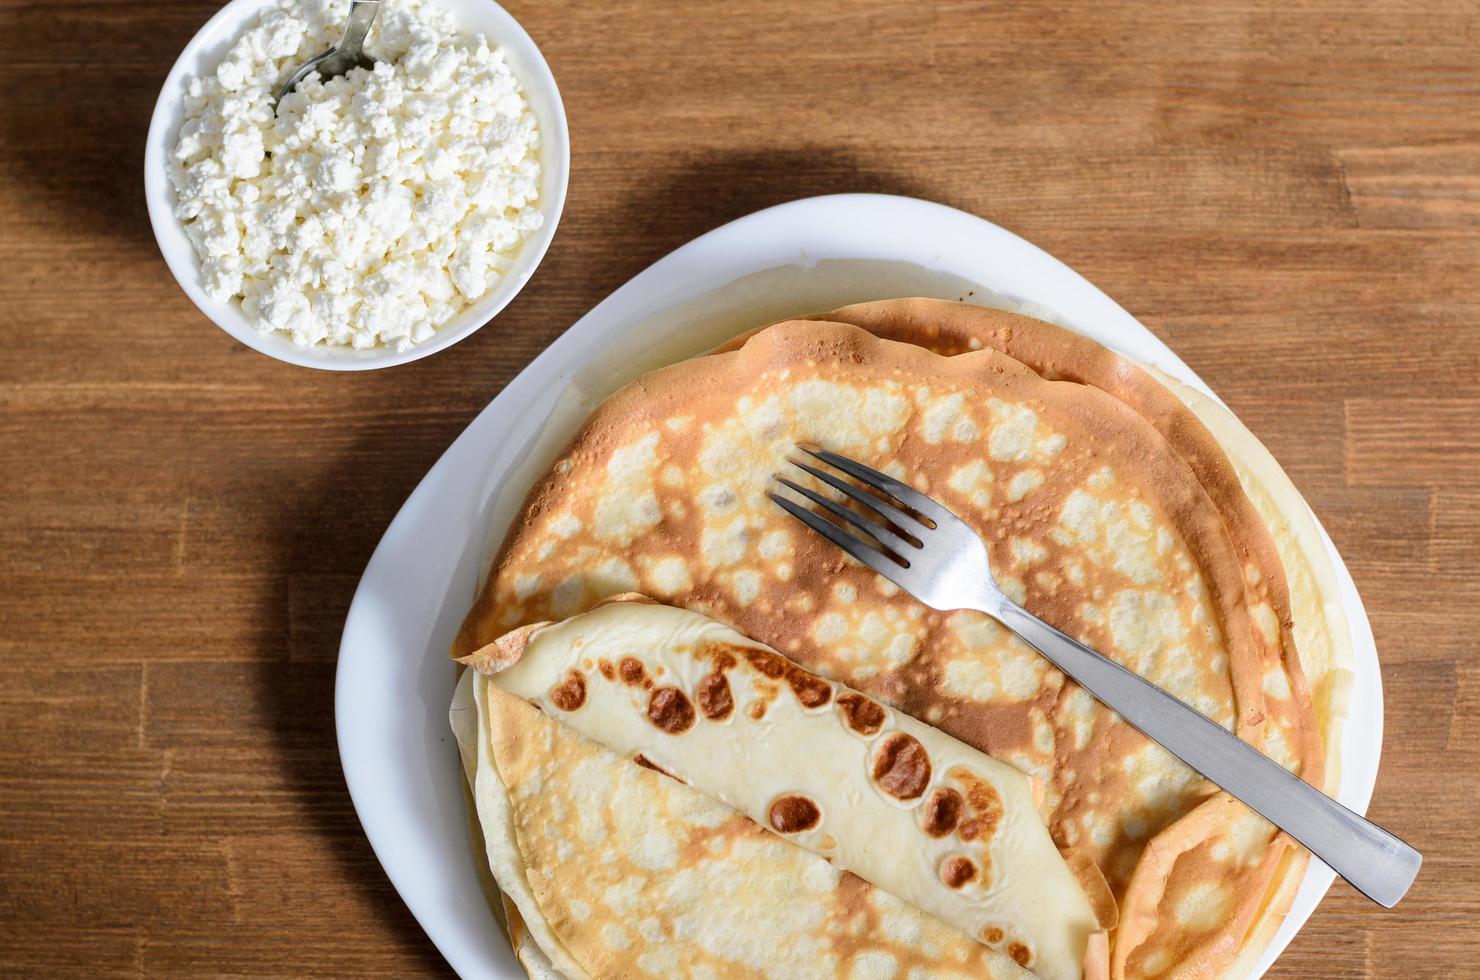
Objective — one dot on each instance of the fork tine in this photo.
(887, 538)
(906, 523)
(902, 492)
(870, 556)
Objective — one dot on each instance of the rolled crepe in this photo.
(917, 813)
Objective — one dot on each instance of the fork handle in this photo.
(1372, 860)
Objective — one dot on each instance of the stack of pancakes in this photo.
(1117, 504)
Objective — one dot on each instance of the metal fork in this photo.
(936, 557)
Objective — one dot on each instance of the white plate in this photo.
(207, 49)
(395, 682)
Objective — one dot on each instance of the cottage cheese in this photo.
(373, 207)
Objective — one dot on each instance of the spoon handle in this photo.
(361, 16)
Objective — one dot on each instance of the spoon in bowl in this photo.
(345, 56)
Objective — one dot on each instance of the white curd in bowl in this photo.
(372, 207)
(373, 218)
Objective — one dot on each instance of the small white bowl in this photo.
(206, 50)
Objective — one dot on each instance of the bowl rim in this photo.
(540, 89)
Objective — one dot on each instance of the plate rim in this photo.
(560, 359)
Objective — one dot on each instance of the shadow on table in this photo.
(320, 544)
(708, 190)
(74, 137)
(698, 193)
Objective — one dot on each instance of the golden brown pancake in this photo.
(612, 869)
(1109, 508)
(926, 818)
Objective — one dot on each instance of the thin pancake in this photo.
(498, 818)
(904, 806)
(1091, 518)
(1322, 640)
(1279, 505)
(593, 834)
(1319, 627)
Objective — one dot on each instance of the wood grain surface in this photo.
(1288, 193)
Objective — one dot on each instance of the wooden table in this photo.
(1286, 192)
